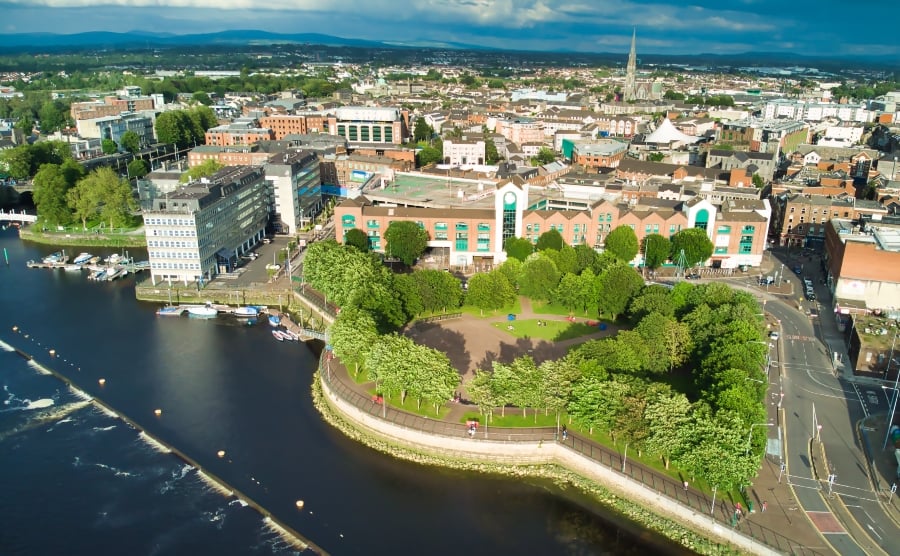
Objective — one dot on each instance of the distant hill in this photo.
(105, 39)
(141, 39)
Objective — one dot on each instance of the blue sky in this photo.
(812, 27)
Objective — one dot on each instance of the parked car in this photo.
(774, 335)
(693, 276)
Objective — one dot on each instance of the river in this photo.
(78, 480)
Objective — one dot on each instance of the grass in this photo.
(550, 308)
(515, 309)
(554, 330)
(411, 406)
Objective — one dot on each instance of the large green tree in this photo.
(50, 189)
(203, 170)
(406, 240)
(623, 243)
(518, 248)
(130, 141)
(109, 146)
(489, 291)
(539, 278)
(656, 250)
(17, 161)
(116, 200)
(138, 168)
(617, 285)
(551, 239)
(357, 238)
(422, 131)
(352, 336)
(694, 243)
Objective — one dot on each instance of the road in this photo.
(815, 395)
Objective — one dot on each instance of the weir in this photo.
(216, 482)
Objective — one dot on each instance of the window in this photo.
(440, 226)
(372, 223)
(462, 226)
(724, 229)
(484, 227)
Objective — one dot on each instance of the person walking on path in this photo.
(685, 486)
(764, 506)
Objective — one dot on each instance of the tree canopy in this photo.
(694, 243)
(406, 240)
(623, 243)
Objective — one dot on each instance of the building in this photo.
(763, 164)
(111, 106)
(361, 124)
(238, 155)
(602, 153)
(816, 111)
(629, 92)
(200, 230)
(520, 130)
(283, 125)
(243, 131)
(295, 190)
(862, 262)
(468, 220)
(461, 152)
(766, 136)
(113, 127)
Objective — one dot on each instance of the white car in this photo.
(774, 335)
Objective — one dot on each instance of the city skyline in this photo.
(663, 26)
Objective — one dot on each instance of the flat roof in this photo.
(433, 191)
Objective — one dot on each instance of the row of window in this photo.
(161, 243)
(169, 222)
(175, 233)
(172, 255)
(174, 266)
(825, 212)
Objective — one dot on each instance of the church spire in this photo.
(630, 70)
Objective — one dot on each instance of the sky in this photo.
(809, 27)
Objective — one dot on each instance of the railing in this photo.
(335, 374)
(317, 300)
(437, 318)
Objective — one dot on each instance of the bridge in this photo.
(13, 216)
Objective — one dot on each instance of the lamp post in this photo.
(750, 434)
(890, 422)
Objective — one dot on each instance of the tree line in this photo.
(682, 381)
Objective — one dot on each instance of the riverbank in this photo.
(542, 460)
(135, 239)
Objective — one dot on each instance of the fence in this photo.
(317, 300)
(436, 318)
(335, 375)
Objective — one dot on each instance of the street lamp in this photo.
(750, 434)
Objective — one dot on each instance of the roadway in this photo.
(819, 414)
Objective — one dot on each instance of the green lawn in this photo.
(410, 406)
(515, 308)
(550, 308)
(552, 331)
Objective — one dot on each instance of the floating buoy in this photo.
(158, 412)
(15, 328)
(102, 381)
(299, 504)
(52, 353)
(221, 453)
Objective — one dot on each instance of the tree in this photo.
(656, 250)
(491, 155)
(544, 156)
(52, 116)
(584, 257)
(429, 155)
(138, 168)
(358, 239)
(665, 415)
(437, 289)
(489, 291)
(84, 202)
(539, 278)
(696, 246)
(518, 248)
(758, 181)
(201, 98)
(113, 194)
(17, 161)
(551, 239)
(405, 240)
(623, 243)
(352, 336)
(203, 170)
(174, 127)
(109, 146)
(422, 131)
(617, 285)
(656, 157)
(50, 188)
(130, 141)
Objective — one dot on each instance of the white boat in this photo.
(278, 335)
(170, 311)
(293, 336)
(114, 273)
(98, 275)
(203, 311)
(113, 259)
(274, 320)
(82, 258)
(53, 258)
(246, 312)
(72, 268)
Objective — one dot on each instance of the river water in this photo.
(77, 480)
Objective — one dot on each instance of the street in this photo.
(819, 413)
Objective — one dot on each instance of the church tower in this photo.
(630, 90)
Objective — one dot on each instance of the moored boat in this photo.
(289, 335)
(72, 267)
(54, 258)
(169, 311)
(246, 312)
(203, 311)
(82, 258)
(278, 335)
(274, 320)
